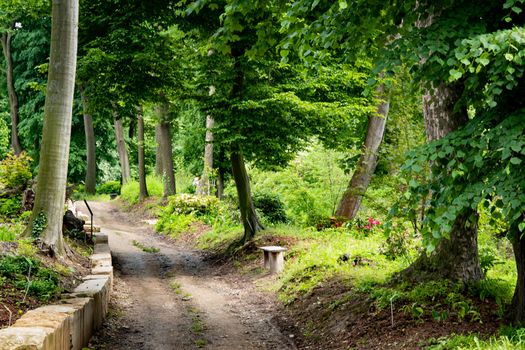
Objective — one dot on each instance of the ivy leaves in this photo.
(479, 164)
(490, 62)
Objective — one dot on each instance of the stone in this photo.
(25, 338)
(274, 258)
(101, 237)
(99, 290)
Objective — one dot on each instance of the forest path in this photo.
(173, 299)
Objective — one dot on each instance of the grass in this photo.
(147, 249)
(513, 341)
(130, 191)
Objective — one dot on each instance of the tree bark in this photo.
(351, 200)
(54, 153)
(159, 169)
(91, 166)
(13, 97)
(208, 157)
(455, 258)
(249, 217)
(166, 151)
(143, 188)
(122, 149)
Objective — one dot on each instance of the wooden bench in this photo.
(273, 258)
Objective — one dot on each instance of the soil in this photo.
(14, 301)
(177, 299)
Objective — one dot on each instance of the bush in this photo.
(174, 225)
(10, 206)
(130, 191)
(188, 204)
(43, 282)
(109, 187)
(271, 207)
(15, 171)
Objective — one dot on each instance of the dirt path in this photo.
(172, 299)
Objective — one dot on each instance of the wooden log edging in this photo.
(70, 322)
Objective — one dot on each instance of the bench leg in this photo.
(266, 259)
(276, 262)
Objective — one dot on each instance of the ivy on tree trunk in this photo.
(54, 153)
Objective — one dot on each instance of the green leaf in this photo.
(342, 4)
(516, 9)
(515, 160)
(509, 56)
(455, 74)
(521, 226)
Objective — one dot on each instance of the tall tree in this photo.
(365, 168)
(11, 16)
(91, 165)
(143, 188)
(166, 149)
(48, 210)
(122, 149)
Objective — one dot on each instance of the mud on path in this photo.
(173, 299)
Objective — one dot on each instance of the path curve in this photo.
(173, 299)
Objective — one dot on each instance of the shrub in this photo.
(174, 224)
(271, 206)
(10, 206)
(109, 187)
(15, 171)
(28, 273)
(130, 191)
(188, 204)
(7, 234)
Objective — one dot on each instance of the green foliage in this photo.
(29, 273)
(7, 234)
(174, 224)
(109, 187)
(15, 171)
(192, 204)
(271, 206)
(5, 133)
(514, 341)
(130, 191)
(145, 248)
(9, 207)
(39, 224)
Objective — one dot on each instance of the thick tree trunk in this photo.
(91, 166)
(166, 151)
(13, 98)
(351, 201)
(159, 169)
(54, 153)
(122, 150)
(516, 311)
(249, 217)
(455, 258)
(206, 180)
(143, 189)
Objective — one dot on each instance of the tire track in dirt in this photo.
(209, 311)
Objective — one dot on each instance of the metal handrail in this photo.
(91, 213)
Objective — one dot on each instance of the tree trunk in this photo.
(13, 98)
(206, 181)
(166, 151)
(516, 311)
(159, 169)
(351, 201)
(122, 149)
(455, 258)
(249, 217)
(143, 189)
(48, 210)
(91, 166)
